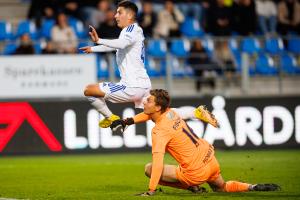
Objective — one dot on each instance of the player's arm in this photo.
(157, 169)
(124, 123)
(98, 48)
(119, 43)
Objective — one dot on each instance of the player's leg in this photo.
(168, 177)
(201, 112)
(96, 96)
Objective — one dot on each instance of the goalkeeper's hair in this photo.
(130, 6)
(162, 98)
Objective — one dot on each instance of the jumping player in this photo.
(135, 83)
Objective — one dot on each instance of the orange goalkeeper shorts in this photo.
(209, 172)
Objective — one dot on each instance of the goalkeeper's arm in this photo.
(123, 124)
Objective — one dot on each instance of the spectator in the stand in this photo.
(147, 18)
(26, 46)
(109, 28)
(169, 20)
(244, 17)
(267, 16)
(220, 21)
(72, 9)
(63, 36)
(202, 65)
(45, 9)
(223, 57)
(288, 16)
(98, 15)
(49, 48)
(205, 19)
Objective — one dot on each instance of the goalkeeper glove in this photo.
(121, 124)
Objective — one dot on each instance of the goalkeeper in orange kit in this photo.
(195, 156)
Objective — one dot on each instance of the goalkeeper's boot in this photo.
(197, 189)
(265, 187)
(204, 115)
(106, 122)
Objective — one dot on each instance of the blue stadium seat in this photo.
(153, 69)
(274, 46)
(46, 28)
(5, 31)
(27, 26)
(102, 67)
(38, 47)
(191, 28)
(208, 45)
(265, 65)
(234, 46)
(156, 48)
(250, 45)
(238, 61)
(78, 27)
(180, 47)
(9, 49)
(294, 45)
(289, 64)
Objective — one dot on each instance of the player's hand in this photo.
(146, 194)
(121, 125)
(86, 49)
(93, 34)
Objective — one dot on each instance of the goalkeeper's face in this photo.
(150, 106)
(123, 17)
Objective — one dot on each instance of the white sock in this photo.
(185, 112)
(100, 105)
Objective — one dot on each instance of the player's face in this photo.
(122, 17)
(150, 106)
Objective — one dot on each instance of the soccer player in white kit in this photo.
(135, 83)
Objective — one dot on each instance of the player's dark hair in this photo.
(162, 98)
(130, 6)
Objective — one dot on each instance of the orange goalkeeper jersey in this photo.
(171, 134)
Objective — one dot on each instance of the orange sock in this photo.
(141, 117)
(235, 186)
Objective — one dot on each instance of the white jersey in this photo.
(130, 56)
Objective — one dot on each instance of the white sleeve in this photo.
(102, 48)
(115, 43)
(127, 38)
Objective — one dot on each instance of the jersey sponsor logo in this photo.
(130, 28)
(14, 114)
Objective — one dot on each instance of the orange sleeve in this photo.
(141, 117)
(157, 169)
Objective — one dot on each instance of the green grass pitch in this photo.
(120, 176)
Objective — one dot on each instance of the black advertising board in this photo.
(72, 126)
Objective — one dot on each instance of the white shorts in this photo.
(120, 93)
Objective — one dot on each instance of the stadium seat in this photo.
(294, 45)
(191, 28)
(208, 45)
(102, 67)
(78, 27)
(289, 64)
(233, 46)
(5, 31)
(238, 61)
(250, 45)
(274, 46)
(265, 65)
(46, 27)
(152, 67)
(156, 48)
(9, 49)
(38, 46)
(27, 26)
(180, 47)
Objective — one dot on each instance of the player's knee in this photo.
(86, 91)
(148, 168)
